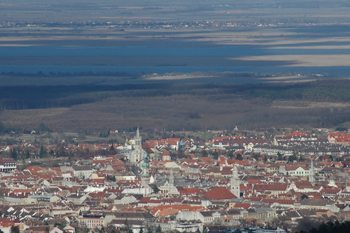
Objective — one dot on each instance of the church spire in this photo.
(137, 153)
(137, 132)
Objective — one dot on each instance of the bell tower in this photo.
(235, 182)
(312, 172)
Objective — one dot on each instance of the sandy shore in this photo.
(305, 60)
(154, 77)
(308, 105)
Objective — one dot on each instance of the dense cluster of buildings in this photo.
(241, 180)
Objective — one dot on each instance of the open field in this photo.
(195, 105)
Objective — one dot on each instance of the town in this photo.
(273, 181)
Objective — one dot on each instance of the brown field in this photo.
(214, 111)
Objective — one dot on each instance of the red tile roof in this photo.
(219, 193)
(242, 205)
(340, 136)
(169, 210)
(270, 187)
(6, 223)
(292, 167)
(190, 191)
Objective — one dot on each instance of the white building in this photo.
(7, 164)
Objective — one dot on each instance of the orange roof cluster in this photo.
(169, 210)
(242, 205)
(161, 142)
(291, 167)
(219, 193)
(6, 223)
(190, 191)
(279, 201)
(297, 134)
(6, 160)
(340, 136)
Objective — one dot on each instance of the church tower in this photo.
(138, 139)
(145, 177)
(137, 153)
(235, 183)
(312, 172)
(145, 166)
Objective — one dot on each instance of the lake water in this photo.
(154, 56)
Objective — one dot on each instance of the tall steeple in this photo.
(312, 172)
(138, 138)
(144, 176)
(137, 153)
(235, 182)
(137, 132)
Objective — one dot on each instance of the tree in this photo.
(42, 151)
(159, 229)
(112, 149)
(1, 231)
(100, 230)
(331, 158)
(14, 229)
(279, 156)
(204, 153)
(304, 196)
(112, 229)
(60, 224)
(215, 154)
(104, 134)
(239, 156)
(307, 224)
(230, 154)
(330, 227)
(43, 128)
(292, 158)
(343, 129)
(14, 153)
(2, 128)
(111, 178)
(26, 154)
(81, 229)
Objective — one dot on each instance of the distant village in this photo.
(237, 181)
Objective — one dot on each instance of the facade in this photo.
(91, 221)
(169, 187)
(7, 164)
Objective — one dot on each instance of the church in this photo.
(137, 153)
